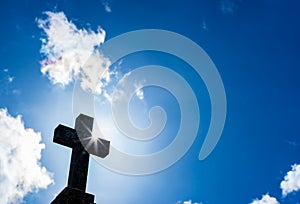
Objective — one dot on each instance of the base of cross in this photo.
(73, 196)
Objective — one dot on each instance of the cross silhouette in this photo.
(83, 144)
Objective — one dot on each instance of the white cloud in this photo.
(140, 94)
(139, 91)
(128, 85)
(266, 199)
(10, 79)
(204, 26)
(290, 184)
(107, 8)
(7, 76)
(95, 74)
(71, 52)
(20, 154)
(5, 80)
(291, 181)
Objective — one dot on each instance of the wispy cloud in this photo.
(106, 5)
(291, 181)
(10, 79)
(6, 76)
(71, 52)
(20, 154)
(187, 202)
(293, 143)
(229, 6)
(140, 94)
(128, 85)
(204, 26)
(266, 199)
(138, 90)
(5, 81)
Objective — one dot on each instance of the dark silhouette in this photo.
(79, 139)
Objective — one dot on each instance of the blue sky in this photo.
(253, 44)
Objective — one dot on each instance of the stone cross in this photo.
(82, 144)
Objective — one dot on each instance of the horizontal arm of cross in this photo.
(81, 134)
(65, 136)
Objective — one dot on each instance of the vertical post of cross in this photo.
(79, 140)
